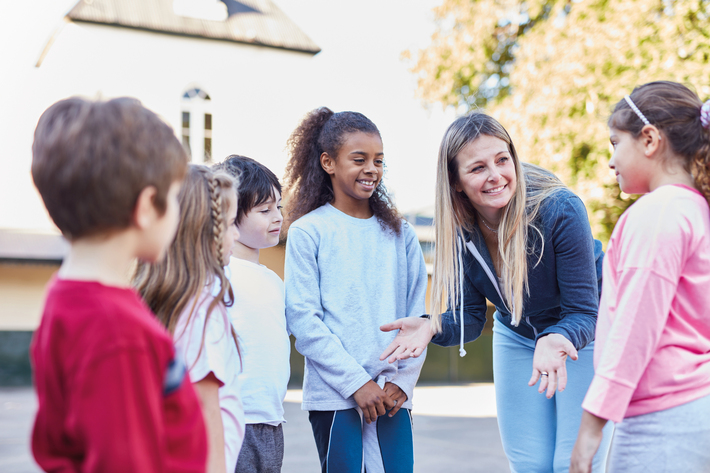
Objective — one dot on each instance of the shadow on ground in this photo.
(457, 444)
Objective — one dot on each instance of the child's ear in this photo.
(145, 213)
(327, 163)
(651, 139)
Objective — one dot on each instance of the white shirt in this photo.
(259, 318)
(218, 355)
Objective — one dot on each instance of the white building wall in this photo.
(255, 92)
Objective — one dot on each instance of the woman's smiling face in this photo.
(486, 174)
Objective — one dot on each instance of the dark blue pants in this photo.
(346, 445)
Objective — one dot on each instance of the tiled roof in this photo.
(258, 22)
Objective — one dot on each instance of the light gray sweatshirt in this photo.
(344, 278)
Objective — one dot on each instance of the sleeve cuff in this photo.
(354, 386)
(558, 330)
(406, 392)
(197, 376)
(607, 399)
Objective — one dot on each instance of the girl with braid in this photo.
(189, 293)
(352, 264)
(652, 353)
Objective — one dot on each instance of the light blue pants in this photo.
(537, 433)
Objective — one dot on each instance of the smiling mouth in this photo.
(366, 183)
(495, 190)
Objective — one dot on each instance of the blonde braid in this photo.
(217, 217)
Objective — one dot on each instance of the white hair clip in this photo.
(705, 114)
(636, 110)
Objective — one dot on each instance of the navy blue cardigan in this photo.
(564, 285)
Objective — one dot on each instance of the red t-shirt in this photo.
(112, 396)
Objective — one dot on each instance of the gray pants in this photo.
(262, 450)
(668, 441)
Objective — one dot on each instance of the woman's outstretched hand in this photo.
(549, 363)
(414, 335)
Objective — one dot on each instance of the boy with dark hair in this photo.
(112, 395)
(259, 316)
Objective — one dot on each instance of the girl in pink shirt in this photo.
(652, 353)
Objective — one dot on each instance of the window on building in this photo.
(208, 136)
(186, 132)
(197, 124)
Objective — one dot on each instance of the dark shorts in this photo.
(262, 450)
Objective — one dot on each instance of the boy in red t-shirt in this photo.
(112, 395)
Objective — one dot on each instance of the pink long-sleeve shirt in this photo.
(653, 332)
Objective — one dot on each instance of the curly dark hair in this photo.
(308, 186)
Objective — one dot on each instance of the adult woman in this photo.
(512, 233)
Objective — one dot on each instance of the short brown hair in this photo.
(91, 160)
(256, 182)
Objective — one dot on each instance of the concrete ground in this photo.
(455, 429)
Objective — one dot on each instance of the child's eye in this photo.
(280, 207)
(359, 160)
(379, 161)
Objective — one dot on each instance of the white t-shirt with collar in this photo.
(259, 318)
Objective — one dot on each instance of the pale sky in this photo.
(360, 68)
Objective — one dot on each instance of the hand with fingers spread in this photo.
(397, 395)
(414, 335)
(549, 363)
(373, 401)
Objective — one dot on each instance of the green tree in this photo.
(551, 71)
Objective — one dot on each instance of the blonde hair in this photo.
(455, 214)
(195, 257)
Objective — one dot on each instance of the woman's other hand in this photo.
(414, 335)
(549, 363)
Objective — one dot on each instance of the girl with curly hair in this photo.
(352, 264)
